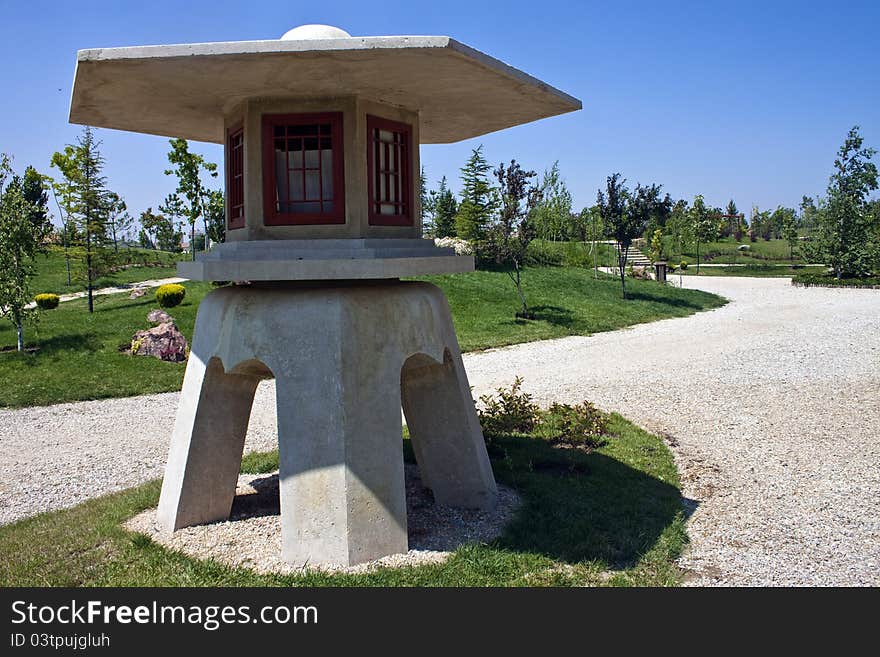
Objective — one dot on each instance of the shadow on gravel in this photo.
(580, 505)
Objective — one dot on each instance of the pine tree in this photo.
(479, 199)
(445, 209)
(82, 167)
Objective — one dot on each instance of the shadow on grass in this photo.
(666, 301)
(582, 506)
(71, 342)
(555, 315)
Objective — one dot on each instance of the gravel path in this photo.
(116, 289)
(772, 405)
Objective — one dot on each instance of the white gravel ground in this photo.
(772, 405)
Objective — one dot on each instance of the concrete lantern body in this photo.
(321, 133)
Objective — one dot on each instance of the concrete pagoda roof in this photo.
(184, 90)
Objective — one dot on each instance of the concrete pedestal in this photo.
(345, 357)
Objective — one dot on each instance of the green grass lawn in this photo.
(725, 251)
(138, 265)
(752, 270)
(610, 517)
(78, 354)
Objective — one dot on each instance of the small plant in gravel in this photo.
(47, 301)
(509, 410)
(581, 425)
(170, 295)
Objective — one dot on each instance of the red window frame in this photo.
(235, 177)
(274, 217)
(400, 175)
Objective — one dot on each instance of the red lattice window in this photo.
(389, 148)
(303, 169)
(235, 177)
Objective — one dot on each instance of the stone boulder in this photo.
(164, 341)
(137, 292)
(159, 317)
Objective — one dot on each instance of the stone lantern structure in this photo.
(321, 133)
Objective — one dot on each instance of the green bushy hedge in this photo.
(47, 301)
(829, 280)
(170, 295)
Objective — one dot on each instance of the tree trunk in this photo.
(621, 265)
(89, 270)
(20, 330)
(192, 240)
(698, 257)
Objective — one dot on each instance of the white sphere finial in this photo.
(306, 32)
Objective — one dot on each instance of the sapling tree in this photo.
(844, 233)
(21, 237)
(788, 222)
(82, 167)
(191, 195)
(509, 239)
(705, 224)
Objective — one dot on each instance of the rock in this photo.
(164, 342)
(137, 292)
(159, 317)
(743, 247)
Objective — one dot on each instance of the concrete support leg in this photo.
(207, 444)
(445, 432)
(343, 498)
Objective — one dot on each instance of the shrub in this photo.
(47, 301)
(541, 253)
(582, 425)
(683, 265)
(170, 295)
(807, 279)
(508, 411)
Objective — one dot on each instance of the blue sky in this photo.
(743, 100)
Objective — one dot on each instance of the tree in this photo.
(445, 208)
(734, 221)
(509, 239)
(809, 212)
(788, 222)
(191, 195)
(118, 219)
(215, 216)
(82, 166)
(159, 232)
(34, 188)
(625, 215)
(424, 200)
(552, 216)
(844, 233)
(21, 237)
(657, 245)
(479, 199)
(705, 224)
(679, 227)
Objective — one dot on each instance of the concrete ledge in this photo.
(313, 270)
(324, 259)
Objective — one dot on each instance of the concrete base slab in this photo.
(345, 357)
(324, 259)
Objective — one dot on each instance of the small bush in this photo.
(508, 411)
(544, 254)
(582, 425)
(829, 280)
(683, 265)
(170, 295)
(47, 301)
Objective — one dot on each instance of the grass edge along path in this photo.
(608, 517)
(79, 355)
